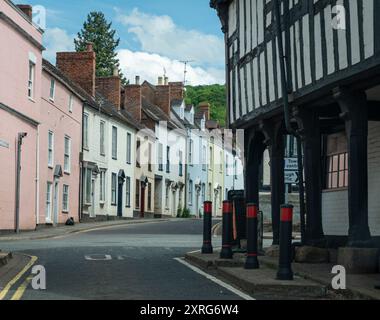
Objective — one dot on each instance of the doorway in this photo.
(121, 180)
(55, 202)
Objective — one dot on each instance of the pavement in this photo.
(312, 281)
(61, 231)
(131, 261)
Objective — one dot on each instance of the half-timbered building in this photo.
(331, 81)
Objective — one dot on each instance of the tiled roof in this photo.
(99, 103)
(156, 114)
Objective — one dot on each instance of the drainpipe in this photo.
(286, 88)
(21, 136)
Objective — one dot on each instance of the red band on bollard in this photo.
(287, 214)
(227, 207)
(252, 211)
(207, 207)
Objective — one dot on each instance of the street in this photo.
(123, 262)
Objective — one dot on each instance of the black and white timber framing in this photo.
(320, 56)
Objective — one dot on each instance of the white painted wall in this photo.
(335, 203)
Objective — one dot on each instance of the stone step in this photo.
(5, 257)
(262, 283)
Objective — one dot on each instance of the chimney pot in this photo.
(27, 10)
(137, 80)
(90, 47)
(166, 81)
(160, 81)
(115, 71)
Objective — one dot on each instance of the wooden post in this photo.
(355, 113)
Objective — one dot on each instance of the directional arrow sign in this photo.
(291, 177)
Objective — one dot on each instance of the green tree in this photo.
(213, 94)
(97, 30)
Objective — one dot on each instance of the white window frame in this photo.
(102, 133)
(191, 187)
(191, 152)
(31, 79)
(65, 202)
(85, 131)
(49, 202)
(50, 149)
(113, 189)
(67, 156)
(128, 192)
(52, 89)
(129, 148)
(114, 143)
(71, 103)
(102, 189)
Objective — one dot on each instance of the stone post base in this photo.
(359, 260)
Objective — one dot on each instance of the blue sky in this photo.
(155, 35)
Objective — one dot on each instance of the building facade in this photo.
(60, 145)
(20, 99)
(331, 69)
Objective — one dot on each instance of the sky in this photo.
(155, 36)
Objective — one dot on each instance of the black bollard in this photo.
(226, 252)
(207, 223)
(252, 262)
(286, 228)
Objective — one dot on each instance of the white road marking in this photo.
(215, 280)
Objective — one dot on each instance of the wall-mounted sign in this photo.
(4, 144)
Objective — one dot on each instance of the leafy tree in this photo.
(213, 94)
(98, 31)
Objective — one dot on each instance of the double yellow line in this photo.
(20, 290)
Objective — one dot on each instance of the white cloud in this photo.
(150, 66)
(57, 40)
(159, 34)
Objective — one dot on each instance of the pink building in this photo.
(60, 145)
(40, 119)
(20, 101)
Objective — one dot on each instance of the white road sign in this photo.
(291, 164)
(291, 177)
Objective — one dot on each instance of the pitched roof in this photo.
(98, 103)
(156, 114)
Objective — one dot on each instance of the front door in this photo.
(55, 202)
(92, 209)
(120, 199)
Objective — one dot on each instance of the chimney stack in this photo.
(110, 88)
(80, 67)
(27, 10)
(177, 91)
(137, 82)
(162, 98)
(133, 100)
(205, 108)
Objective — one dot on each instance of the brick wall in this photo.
(133, 100)
(110, 87)
(80, 67)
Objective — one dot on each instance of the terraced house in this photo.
(326, 90)
(109, 133)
